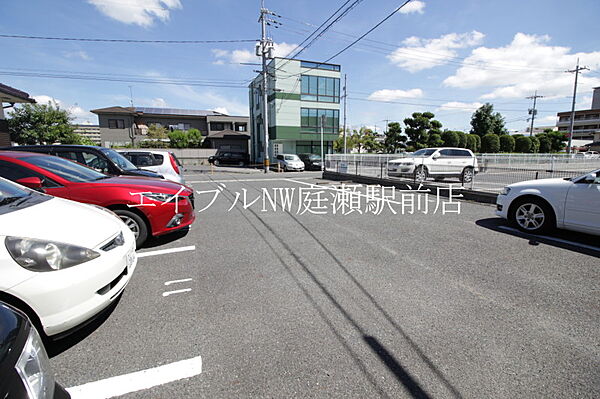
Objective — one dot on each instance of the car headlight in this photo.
(33, 367)
(46, 256)
(505, 191)
(161, 197)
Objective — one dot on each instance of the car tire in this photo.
(135, 223)
(532, 215)
(467, 175)
(216, 162)
(420, 173)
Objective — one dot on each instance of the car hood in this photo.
(63, 221)
(144, 173)
(555, 182)
(144, 184)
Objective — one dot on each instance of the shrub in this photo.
(523, 144)
(435, 140)
(545, 143)
(490, 143)
(535, 144)
(507, 143)
(450, 138)
(471, 140)
(179, 139)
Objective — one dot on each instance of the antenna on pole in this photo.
(576, 71)
(131, 95)
(533, 111)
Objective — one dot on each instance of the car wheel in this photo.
(135, 223)
(532, 215)
(217, 162)
(467, 175)
(420, 173)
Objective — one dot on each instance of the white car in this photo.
(588, 154)
(162, 162)
(438, 163)
(61, 262)
(538, 205)
(289, 162)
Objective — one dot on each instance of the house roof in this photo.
(139, 111)
(11, 95)
(222, 133)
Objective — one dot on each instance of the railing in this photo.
(492, 171)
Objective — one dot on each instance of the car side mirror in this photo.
(590, 178)
(31, 182)
(436, 156)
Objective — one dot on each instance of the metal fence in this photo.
(492, 171)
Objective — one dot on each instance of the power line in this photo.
(77, 39)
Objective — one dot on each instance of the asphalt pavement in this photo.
(311, 303)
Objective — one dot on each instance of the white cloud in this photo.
(77, 54)
(139, 12)
(527, 64)
(159, 103)
(547, 119)
(208, 100)
(80, 116)
(418, 54)
(247, 56)
(459, 106)
(414, 6)
(391, 95)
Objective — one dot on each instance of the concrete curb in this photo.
(471, 195)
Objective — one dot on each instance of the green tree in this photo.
(157, 132)
(472, 142)
(535, 144)
(523, 144)
(419, 127)
(485, 121)
(435, 140)
(490, 143)
(450, 139)
(194, 138)
(40, 124)
(558, 140)
(394, 139)
(545, 143)
(507, 143)
(368, 140)
(179, 139)
(462, 139)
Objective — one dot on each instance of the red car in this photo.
(150, 207)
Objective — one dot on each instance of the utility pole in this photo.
(576, 70)
(322, 154)
(131, 96)
(265, 48)
(533, 111)
(345, 134)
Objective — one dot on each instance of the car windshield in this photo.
(424, 153)
(292, 158)
(14, 197)
(118, 159)
(66, 169)
(315, 157)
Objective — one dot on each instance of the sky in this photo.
(445, 57)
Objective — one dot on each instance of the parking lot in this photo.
(263, 302)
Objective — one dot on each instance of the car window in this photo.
(68, 170)
(142, 159)
(95, 161)
(424, 152)
(446, 153)
(159, 158)
(70, 155)
(291, 157)
(118, 159)
(280, 157)
(14, 172)
(14, 197)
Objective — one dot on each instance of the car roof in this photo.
(59, 146)
(142, 150)
(21, 154)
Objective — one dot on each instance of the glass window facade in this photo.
(320, 88)
(316, 65)
(314, 147)
(310, 120)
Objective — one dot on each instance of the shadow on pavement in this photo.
(153, 242)
(586, 244)
(56, 346)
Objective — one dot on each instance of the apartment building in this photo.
(586, 124)
(91, 132)
(300, 95)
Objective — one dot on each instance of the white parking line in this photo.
(176, 292)
(165, 251)
(139, 380)
(575, 244)
(178, 281)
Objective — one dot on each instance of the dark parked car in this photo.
(229, 158)
(24, 366)
(311, 161)
(102, 159)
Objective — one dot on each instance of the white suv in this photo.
(438, 163)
